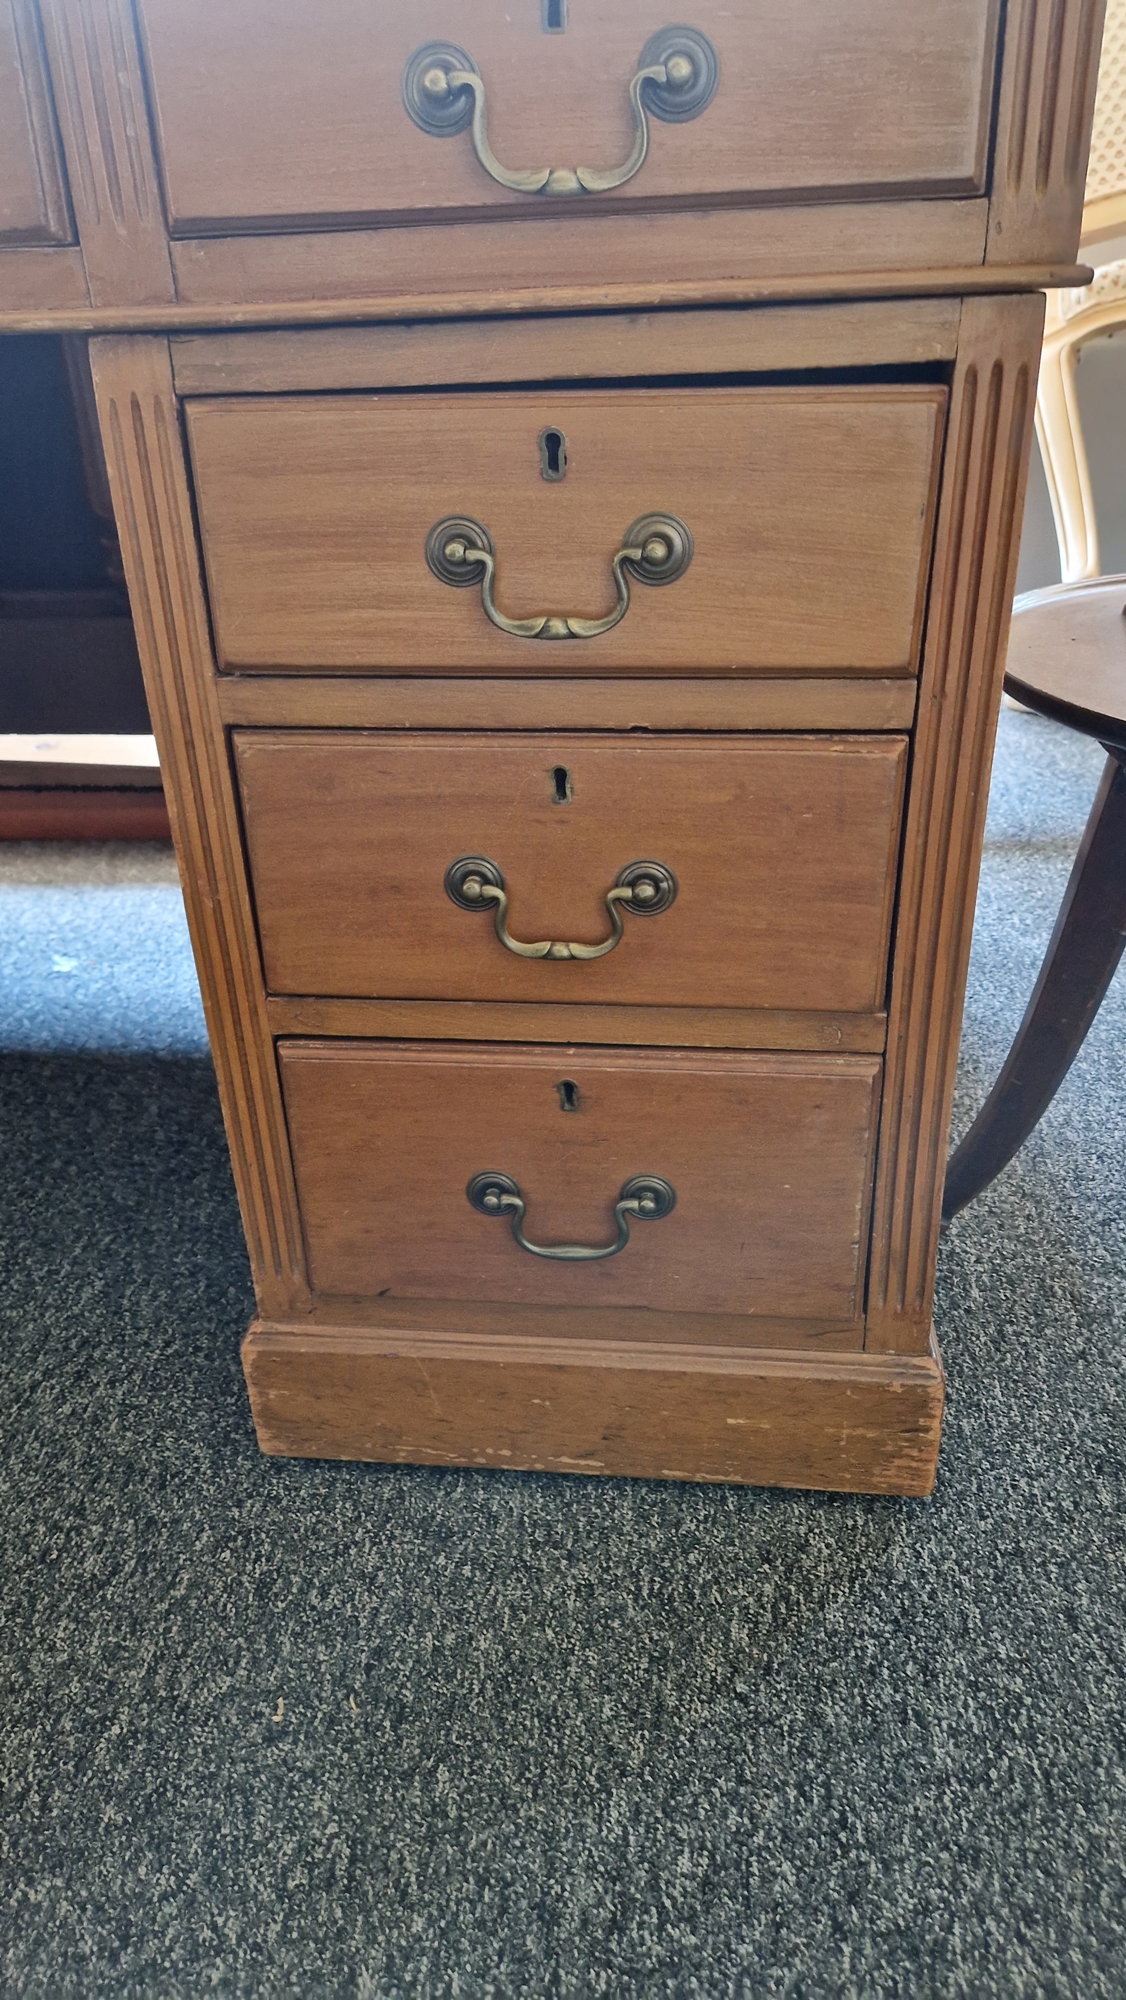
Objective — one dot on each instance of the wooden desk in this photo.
(572, 604)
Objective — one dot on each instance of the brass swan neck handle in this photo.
(644, 1198)
(675, 79)
(645, 887)
(657, 549)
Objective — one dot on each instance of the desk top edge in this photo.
(989, 279)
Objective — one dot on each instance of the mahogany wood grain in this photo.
(33, 198)
(509, 1021)
(114, 184)
(634, 704)
(429, 354)
(147, 475)
(784, 852)
(41, 289)
(837, 1423)
(811, 510)
(975, 562)
(769, 1155)
(298, 120)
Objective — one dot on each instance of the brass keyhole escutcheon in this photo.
(553, 454)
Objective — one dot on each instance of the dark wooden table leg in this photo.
(1086, 946)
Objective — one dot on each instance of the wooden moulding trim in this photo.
(133, 380)
(284, 701)
(688, 671)
(827, 1422)
(957, 280)
(983, 488)
(638, 1327)
(877, 333)
(574, 1024)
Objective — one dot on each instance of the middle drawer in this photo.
(772, 863)
(789, 529)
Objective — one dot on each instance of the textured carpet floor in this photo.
(293, 1729)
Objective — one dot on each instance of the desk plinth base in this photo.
(851, 1423)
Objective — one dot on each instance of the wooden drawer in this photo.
(294, 116)
(809, 512)
(782, 850)
(33, 199)
(770, 1158)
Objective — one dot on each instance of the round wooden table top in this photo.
(1067, 656)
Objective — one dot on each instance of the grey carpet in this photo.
(302, 1729)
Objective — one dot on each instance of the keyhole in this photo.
(568, 1095)
(554, 16)
(561, 781)
(553, 454)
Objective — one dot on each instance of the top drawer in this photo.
(296, 116)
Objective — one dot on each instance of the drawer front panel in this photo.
(809, 511)
(33, 199)
(770, 1158)
(296, 115)
(782, 850)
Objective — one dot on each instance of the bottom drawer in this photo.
(769, 1158)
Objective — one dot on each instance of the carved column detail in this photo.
(148, 481)
(986, 463)
(1043, 120)
(104, 120)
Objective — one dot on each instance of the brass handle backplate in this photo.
(657, 549)
(645, 887)
(646, 1197)
(675, 80)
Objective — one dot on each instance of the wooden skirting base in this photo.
(834, 1422)
(58, 813)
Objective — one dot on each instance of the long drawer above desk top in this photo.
(163, 165)
(778, 105)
